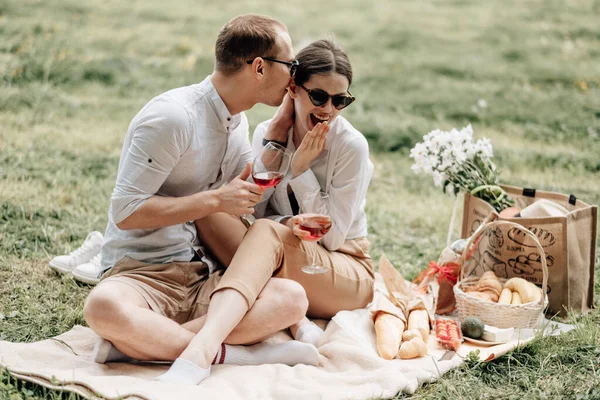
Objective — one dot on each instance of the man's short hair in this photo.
(243, 38)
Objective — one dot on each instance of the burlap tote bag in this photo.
(568, 239)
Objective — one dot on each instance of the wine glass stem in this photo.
(314, 258)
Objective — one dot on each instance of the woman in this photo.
(330, 156)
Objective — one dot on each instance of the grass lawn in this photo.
(524, 73)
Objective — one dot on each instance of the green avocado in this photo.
(472, 327)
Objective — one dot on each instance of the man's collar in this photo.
(228, 121)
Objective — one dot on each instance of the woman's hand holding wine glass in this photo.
(312, 226)
(309, 227)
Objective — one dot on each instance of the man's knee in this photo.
(101, 308)
(290, 296)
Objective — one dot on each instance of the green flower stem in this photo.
(494, 195)
(484, 187)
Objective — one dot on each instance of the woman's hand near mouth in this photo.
(312, 145)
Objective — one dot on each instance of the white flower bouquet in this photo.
(459, 163)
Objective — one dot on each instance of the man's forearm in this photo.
(277, 131)
(158, 212)
(282, 121)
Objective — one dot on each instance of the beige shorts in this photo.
(180, 290)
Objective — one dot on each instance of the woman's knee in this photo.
(264, 224)
(266, 227)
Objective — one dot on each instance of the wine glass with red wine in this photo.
(317, 222)
(271, 165)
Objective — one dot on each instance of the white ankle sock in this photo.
(290, 353)
(309, 333)
(186, 372)
(105, 351)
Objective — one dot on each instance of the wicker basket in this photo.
(526, 315)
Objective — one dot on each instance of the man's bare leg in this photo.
(118, 313)
(221, 235)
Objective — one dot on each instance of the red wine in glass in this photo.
(267, 179)
(270, 165)
(317, 230)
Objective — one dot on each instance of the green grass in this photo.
(523, 73)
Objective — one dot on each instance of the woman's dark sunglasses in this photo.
(319, 97)
(293, 65)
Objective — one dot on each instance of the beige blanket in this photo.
(350, 368)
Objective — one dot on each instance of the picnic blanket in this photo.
(350, 367)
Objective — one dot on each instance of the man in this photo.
(180, 151)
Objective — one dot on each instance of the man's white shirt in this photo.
(182, 142)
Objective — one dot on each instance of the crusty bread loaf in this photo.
(483, 296)
(488, 287)
(419, 320)
(388, 329)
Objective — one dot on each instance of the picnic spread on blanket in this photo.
(523, 254)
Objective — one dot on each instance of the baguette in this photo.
(388, 329)
(419, 320)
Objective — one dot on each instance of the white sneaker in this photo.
(88, 250)
(90, 272)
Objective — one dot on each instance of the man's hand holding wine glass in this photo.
(239, 196)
